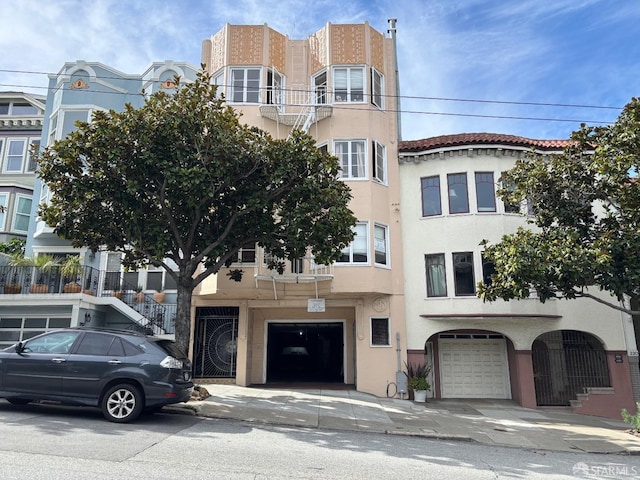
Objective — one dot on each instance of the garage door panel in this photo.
(473, 368)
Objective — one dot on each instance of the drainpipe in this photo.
(392, 32)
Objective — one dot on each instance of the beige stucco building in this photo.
(579, 352)
(337, 324)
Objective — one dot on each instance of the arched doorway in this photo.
(565, 362)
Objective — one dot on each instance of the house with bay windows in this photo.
(343, 323)
(21, 116)
(576, 353)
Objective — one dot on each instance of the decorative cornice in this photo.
(464, 139)
(32, 123)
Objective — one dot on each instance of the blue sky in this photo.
(464, 65)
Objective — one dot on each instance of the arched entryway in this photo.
(565, 362)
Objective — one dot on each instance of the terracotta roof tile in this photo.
(460, 139)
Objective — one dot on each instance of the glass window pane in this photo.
(95, 344)
(154, 281)
(10, 322)
(380, 332)
(35, 323)
(59, 322)
(24, 109)
(15, 155)
(463, 273)
(436, 275)
(458, 198)
(485, 192)
(380, 244)
(23, 214)
(431, 204)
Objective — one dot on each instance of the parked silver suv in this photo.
(122, 372)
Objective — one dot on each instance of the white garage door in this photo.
(474, 368)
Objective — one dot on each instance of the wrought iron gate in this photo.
(216, 339)
(565, 363)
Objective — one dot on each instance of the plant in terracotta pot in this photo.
(13, 284)
(71, 270)
(159, 296)
(139, 296)
(44, 265)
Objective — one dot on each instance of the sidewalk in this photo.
(491, 422)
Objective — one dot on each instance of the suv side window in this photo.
(116, 350)
(130, 350)
(56, 342)
(95, 344)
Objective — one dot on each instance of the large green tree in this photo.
(586, 220)
(181, 178)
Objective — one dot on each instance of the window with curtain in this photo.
(464, 278)
(485, 192)
(436, 275)
(431, 203)
(348, 84)
(458, 197)
(357, 251)
(351, 154)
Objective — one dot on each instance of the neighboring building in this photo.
(21, 117)
(102, 293)
(334, 324)
(575, 352)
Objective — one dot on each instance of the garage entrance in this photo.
(305, 352)
(473, 366)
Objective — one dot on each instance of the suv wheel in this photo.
(122, 403)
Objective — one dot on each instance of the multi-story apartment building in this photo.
(578, 352)
(335, 324)
(104, 295)
(21, 117)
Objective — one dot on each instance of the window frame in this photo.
(379, 162)
(457, 281)
(352, 95)
(5, 160)
(377, 88)
(424, 188)
(17, 212)
(385, 240)
(246, 88)
(349, 252)
(320, 82)
(3, 215)
(452, 191)
(482, 189)
(386, 320)
(349, 156)
(431, 293)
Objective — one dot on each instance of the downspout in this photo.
(392, 32)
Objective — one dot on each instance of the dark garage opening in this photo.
(305, 352)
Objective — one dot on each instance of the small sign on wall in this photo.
(315, 305)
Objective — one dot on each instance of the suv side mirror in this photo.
(19, 347)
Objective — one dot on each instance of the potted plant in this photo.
(159, 296)
(417, 380)
(116, 291)
(139, 296)
(44, 265)
(71, 270)
(13, 285)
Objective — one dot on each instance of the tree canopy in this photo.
(181, 178)
(585, 233)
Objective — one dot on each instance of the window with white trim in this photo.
(15, 155)
(22, 214)
(31, 162)
(320, 87)
(275, 84)
(379, 163)
(348, 84)
(246, 255)
(377, 87)
(3, 216)
(358, 250)
(245, 85)
(380, 332)
(381, 244)
(218, 81)
(352, 157)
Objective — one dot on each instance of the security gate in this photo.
(565, 363)
(216, 339)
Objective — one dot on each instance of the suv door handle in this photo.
(58, 360)
(114, 362)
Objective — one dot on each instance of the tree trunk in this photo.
(183, 317)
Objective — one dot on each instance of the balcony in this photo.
(294, 106)
(159, 318)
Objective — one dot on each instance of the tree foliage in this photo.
(181, 178)
(586, 225)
